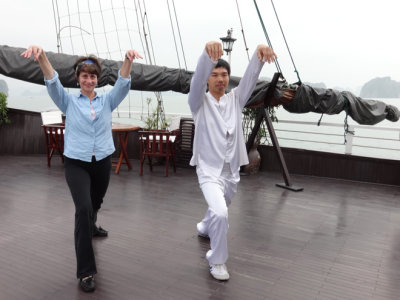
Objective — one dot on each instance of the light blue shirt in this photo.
(84, 137)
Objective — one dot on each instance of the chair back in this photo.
(156, 143)
(184, 142)
(175, 122)
(51, 117)
(53, 127)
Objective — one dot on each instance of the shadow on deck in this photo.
(335, 240)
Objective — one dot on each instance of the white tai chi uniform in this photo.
(219, 148)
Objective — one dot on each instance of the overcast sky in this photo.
(343, 43)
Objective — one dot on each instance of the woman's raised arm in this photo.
(40, 56)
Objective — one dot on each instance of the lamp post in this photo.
(59, 38)
(227, 44)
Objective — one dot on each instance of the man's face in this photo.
(218, 81)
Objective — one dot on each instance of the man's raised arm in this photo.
(205, 65)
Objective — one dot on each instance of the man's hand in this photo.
(265, 53)
(214, 50)
(287, 97)
(289, 94)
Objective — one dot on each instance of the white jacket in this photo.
(218, 124)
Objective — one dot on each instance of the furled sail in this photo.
(159, 79)
(144, 77)
(328, 101)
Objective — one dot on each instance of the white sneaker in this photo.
(219, 272)
(200, 231)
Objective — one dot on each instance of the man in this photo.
(219, 147)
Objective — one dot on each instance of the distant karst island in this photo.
(381, 87)
(3, 87)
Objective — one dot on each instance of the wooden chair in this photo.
(156, 143)
(51, 117)
(183, 144)
(54, 133)
(174, 130)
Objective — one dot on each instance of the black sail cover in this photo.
(144, 77)
(159, 79)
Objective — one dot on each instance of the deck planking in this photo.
(335, 240)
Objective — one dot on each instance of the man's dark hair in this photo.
(223, 64)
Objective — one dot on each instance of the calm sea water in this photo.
(367, 141)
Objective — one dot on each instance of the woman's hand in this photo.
(132, 54)
(35, 50)
(40, 56)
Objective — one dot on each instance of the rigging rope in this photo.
(269, 41)
(80, 26)
(104, 28)
(160, 105)
(140, 33)
(148, 28)
(173, 34)
(91, 22)
(115, 22)
(267, 37)
(127, 25)
(179, 32)
(130, 43)
(57, 25)
(106, 23)
(105, 36)
(99, 20)
(142, 17)
(70, 25)
(241, 25)
(346, 125)
(287, 46)
(144, 49)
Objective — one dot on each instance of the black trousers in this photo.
(88, 183)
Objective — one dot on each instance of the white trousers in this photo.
(218, 192)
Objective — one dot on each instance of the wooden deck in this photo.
(335, 240)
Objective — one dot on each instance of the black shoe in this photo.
(99, 232)
(88, 284)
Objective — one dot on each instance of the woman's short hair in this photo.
(88, 64)
(223, 64)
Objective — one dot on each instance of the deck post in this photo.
(265, 116)
(349, 140)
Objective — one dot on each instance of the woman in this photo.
(88, 145)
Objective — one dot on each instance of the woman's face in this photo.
(88, 82)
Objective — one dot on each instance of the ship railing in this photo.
(362, 140)
(368, 141)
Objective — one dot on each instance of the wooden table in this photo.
(123, 130)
